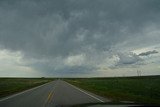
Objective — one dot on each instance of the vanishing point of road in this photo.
(57, 93)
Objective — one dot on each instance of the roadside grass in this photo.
(9, 86)
(144, 90)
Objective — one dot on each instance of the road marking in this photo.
(85, 92)
(49, 99)
(50, 95)
(14, 95)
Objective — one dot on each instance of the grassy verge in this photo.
(10, 86)
(138, 89)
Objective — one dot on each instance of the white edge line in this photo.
(85, 92)
(14, 95)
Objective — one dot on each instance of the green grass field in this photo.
(10, 86)
(144, 90)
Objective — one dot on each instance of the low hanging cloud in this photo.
(148, 53)
(49, 29)
(76, 60)
(55, 35)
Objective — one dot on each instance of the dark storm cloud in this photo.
(148, 53)
(76, 71)
(59, 28)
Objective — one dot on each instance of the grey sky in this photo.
(79, 38)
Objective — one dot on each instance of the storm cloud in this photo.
(70, 35)
(148, 53)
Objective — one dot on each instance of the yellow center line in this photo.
(49, 98)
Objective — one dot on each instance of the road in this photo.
(54, 94)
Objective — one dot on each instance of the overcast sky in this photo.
(79, 38)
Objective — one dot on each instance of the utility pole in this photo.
(139, 72)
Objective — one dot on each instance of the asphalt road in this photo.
(54, 94)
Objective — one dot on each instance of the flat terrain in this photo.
(10, 86)
(19, 92)
(137, 89)
(53, 94)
